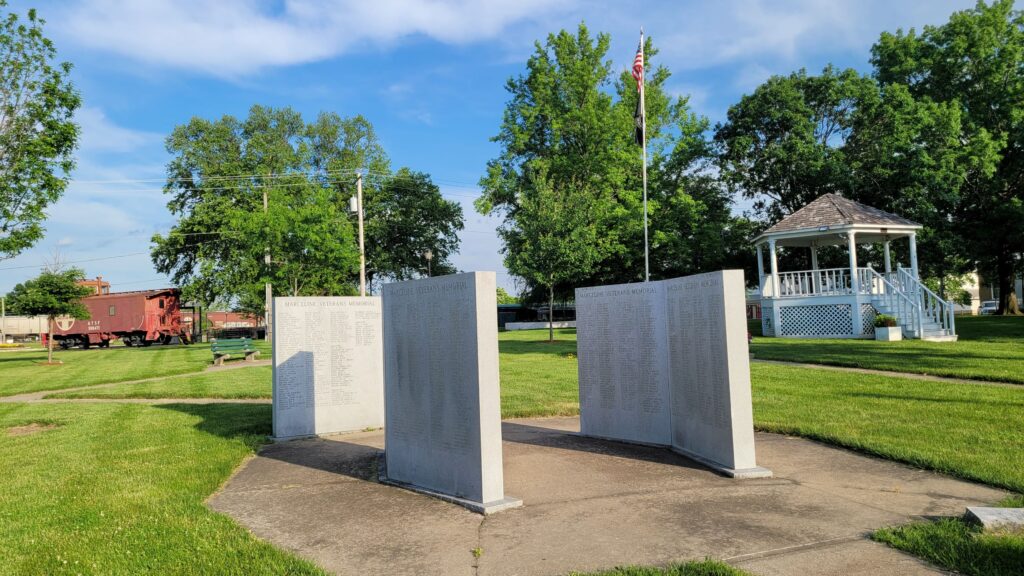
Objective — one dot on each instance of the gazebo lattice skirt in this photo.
(816, 320)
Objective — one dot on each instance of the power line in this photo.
(77, 261)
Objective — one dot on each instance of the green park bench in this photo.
(224, 348)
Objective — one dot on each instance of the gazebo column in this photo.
(913, 255)
(888, 261)
(775, 287)
(815, 279)
(774, 268)
(760, 270)
(854, 284)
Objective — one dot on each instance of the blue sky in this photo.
(429, 75)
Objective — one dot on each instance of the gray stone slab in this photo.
(328, 366)
(622, 347)
(993, 518)
(443, 404)
(712, 412)
(667, 363)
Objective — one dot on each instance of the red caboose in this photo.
(137, 318)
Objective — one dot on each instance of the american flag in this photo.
(638, 65)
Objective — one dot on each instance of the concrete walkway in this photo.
(592, 504)
(890, 373)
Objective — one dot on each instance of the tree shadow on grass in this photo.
(252, 423)
(916, 398)
(556, 348)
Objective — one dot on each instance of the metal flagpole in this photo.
(643, 134)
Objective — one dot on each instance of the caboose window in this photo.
(112, 311)
(161, 303)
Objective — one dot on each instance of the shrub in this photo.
(885, 321)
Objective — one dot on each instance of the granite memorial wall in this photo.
(443, 406)
(328, 365)
(667, 363)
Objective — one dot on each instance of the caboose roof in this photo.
(146, 293)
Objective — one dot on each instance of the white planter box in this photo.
(889, 334)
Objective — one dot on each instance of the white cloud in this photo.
(99, 134)
(751, 76)
(233, 38)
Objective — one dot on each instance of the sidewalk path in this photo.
(592, 504)
(910, 375)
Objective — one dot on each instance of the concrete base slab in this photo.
(592, 505)
(484, 508)
(995, 518)
(739, 474)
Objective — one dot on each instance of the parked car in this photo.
(989, 307)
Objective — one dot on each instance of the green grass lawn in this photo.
(538, 378)
(965, 430)
(989, 348)
(254, 382)
(119, 489)
(956, 545)
(22, 372)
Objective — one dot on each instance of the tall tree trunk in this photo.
(1004, 270)
(49, 342)
(551, 313)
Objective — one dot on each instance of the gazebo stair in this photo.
(930, 331)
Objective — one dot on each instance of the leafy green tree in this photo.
(781, 146)
(37, 133)
(505, 298)
(273, 181)
(51, 294)
(407, 218)
(800, 136)
(554, 240)
(975, 63)
(568, 127)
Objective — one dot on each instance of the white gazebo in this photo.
(842, 302)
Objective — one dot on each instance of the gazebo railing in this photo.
(823, 282)
(933, 308)
(901, 304)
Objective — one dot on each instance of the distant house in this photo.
(98, 285)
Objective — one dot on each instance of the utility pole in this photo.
(269, 289)
(3, 320)
(362, 246)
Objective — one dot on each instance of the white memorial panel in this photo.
(442, 398)
(712, 415)
(624, 380)
(667, 363)
(328, 365)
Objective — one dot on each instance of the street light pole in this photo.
(429, 255)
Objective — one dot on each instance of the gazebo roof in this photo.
(830, 213)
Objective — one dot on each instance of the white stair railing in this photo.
(899, 303)
(933, 308)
